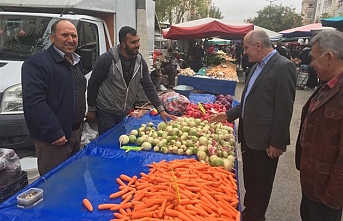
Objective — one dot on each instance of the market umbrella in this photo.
(335, 22)
(207, 28)
(302, 31)
(274, 36)
(219, 41)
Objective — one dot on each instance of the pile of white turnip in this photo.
(210, 142)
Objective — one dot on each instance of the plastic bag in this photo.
(9, 165)
(174, 103)
(88, 134)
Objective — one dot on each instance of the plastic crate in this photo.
(13, 186)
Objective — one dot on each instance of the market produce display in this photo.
(185, 190)
(224, 71)
(213, 143)
(187, 72)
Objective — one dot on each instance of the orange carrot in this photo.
(120, 182)
(123, 205)
(127, 198)
(138, 215)
(106, 206)
(87, 204)
(119, 215)
(162, 209)
(238, 216)
(125, 177)
(133, 180)
(119, 193)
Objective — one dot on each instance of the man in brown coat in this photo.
(319, 149)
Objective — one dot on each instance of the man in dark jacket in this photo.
(113, 85)
(319, 148)
(54, 101)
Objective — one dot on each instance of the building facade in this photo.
(308, 11)
(314, 10)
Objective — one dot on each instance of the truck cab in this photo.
(23, 34)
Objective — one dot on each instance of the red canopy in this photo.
(302, 31)
(206, 28)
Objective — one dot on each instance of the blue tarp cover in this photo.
(91, 173)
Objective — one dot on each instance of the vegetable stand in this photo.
(90, 174)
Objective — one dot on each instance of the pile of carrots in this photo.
(184, 190)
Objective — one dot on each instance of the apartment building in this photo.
(313, 10)
(308, 11)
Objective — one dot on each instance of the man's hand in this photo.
(60, 142)
(165, 115)
(220, 117)
(274, 152)
(90, 116)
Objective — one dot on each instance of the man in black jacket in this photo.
(54, 100)
(113, 85)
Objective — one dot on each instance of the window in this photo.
(310, 5)
(309, 15)
(88, 39)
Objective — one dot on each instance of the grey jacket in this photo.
(107, 89)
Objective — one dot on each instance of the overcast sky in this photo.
(239, 10)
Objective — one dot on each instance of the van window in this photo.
(21, 36)
(88, 38)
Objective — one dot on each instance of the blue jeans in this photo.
(107, 120)
(304, 68)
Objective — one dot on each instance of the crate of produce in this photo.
(13, 186)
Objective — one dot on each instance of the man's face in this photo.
(251, 50)
(65, 37)
(319, 63)
(131, 45)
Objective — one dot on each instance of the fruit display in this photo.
(205, 111)
(210, 142)
(225, 100)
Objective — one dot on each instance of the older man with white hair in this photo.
(319, 149)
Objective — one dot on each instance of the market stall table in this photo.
(91, 174)
(207, 84)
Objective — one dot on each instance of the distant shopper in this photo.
(169, 73)
(319, 148)
(54, 100)
(113, 85)
(305, 59)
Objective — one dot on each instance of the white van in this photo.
(24, 34)
(166, 46)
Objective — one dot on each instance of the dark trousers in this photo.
(107, 120)
(50, 156)
(315, 211)
(312, 80)
(258, 175)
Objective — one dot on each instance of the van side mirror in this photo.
(86, 59)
